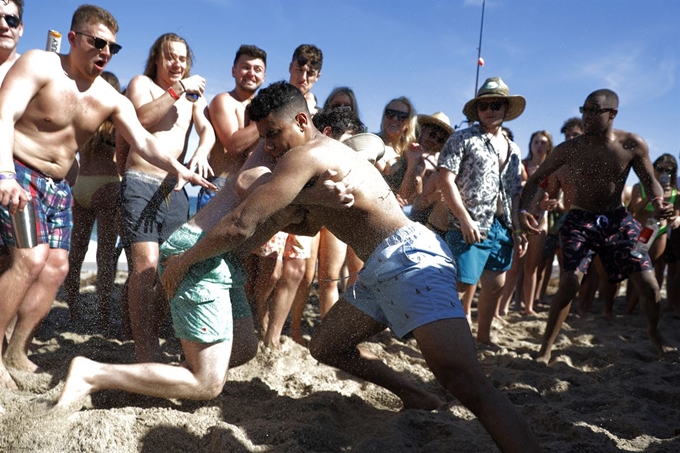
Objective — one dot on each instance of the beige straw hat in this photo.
(438, 119)
(495, 87)
(369, 145)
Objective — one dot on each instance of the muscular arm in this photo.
(236, 136)
(642, 166)
(149, 110)
(452, 198)
(27, 76)
(131, 130)
(206, 138)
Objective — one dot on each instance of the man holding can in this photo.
(50, 104)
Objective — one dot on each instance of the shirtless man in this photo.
(600, 160)
(305, 70)
(400, 254)
(151, 211)
(237, 136)
(50, 105)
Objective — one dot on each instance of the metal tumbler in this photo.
(24, 228)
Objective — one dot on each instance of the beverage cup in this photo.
(24, 228)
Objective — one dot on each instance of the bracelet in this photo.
(656, 199)
(523, 211)
(173, 94)
(518, 231)
(7, 175)
(182, 85)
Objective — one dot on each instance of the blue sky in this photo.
(552, 52)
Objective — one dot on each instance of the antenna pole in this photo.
(479, 49)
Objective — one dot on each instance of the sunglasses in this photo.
(593, 110)
(11, 20)
(495, 105)
(313, 64)
(101, 43)
(669, 171)
(391, 114)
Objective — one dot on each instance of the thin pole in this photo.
(479, 49)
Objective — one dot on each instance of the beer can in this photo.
(53, 41)
(193, 97)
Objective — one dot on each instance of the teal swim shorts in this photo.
(211, 295)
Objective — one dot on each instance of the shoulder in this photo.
(140, 82)
(224, 102)
(630, 140)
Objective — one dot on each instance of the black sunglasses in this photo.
(495, 105)
(313, 64)
(11, 20)
(101, 43)
(593, 110)
(391, 114)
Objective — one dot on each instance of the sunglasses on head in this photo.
(11, 20)
(100, 43)
(495, 105)
(391, 114)
(313, 64)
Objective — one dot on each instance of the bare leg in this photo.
(489, 297)
(449, 351)
(27, 264)
(648, 290)
(83, 221)
(334, 344)
(588, 288)
(245, 342)
(531, 261)
(267, 273)
(202, 379)
(142, 300)
(559, 310)
(510, 280)
(105, 203)
(302, 294)
(282, 299)
(36, 304)
(466, 293)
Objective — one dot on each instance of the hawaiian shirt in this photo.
(471, 156)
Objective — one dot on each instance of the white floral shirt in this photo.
(471, 156)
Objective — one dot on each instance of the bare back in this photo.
(172, 130)
(375, 214)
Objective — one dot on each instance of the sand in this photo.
(606, 391)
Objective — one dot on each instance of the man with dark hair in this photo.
(50, 105)
(600, 161)
(572, 128)
(305, 70)
(236, 135)
(151, 210)
(408, 282)
(339, 122)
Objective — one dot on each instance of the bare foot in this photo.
(543, 358)
(581, 312)
(420, 399)
(300, 339)
(609, 317)
(6, 380)
(19, 360)
(529, 313)
(661, 348)
(76, 385)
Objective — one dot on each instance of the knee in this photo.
(210, 389)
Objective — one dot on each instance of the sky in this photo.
(553, 52)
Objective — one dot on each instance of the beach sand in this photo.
(607, 391)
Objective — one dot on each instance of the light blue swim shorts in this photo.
(210, 296)
(408, 281)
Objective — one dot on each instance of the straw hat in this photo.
(369, 145)
(438, 119)
(495, 87)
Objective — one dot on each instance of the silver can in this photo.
(53, 41)
(24, 227)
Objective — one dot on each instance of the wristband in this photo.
(7, 175)
(522, 211)
(182, 85)
(173, 94)
(656, 199)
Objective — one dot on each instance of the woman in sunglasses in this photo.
(662, 251)
(398, 130)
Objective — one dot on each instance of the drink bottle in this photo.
(646, 238)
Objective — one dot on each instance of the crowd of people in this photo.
(401, 235)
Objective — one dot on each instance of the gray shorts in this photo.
(151, 209)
